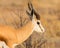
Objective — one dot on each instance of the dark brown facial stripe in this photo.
(37, 15)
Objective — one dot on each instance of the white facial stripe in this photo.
(38, 27)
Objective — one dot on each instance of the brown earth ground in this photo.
(12, 12)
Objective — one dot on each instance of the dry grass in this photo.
(12, 12)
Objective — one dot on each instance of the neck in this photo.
(24, 32)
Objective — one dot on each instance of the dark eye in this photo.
(38, 23)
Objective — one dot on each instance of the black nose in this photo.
(38, 23)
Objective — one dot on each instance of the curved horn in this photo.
(32, 11)
(30, 6)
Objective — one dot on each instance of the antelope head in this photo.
(35, 17)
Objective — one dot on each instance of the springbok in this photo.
(12, 36)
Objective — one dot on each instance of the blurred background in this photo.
(13, 13)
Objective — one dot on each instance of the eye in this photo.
(38, 23)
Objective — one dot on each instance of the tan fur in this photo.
(15, 36)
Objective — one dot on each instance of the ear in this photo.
(30, 6)
(31, 11)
